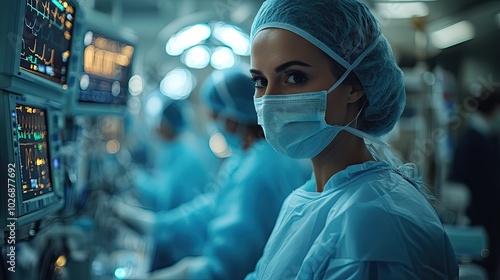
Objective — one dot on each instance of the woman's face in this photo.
(285, 63)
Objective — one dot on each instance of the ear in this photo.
(356, 93)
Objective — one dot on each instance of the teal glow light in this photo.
(120, 273)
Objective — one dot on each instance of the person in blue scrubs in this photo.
(221, 235)
(327, 86)
(171, 183)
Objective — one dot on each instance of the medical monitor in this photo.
(30, 158)
(37, 51)
(105, 69)
(36, 177)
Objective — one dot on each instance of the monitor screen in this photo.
(106, 70)
(46, 43)
(35, 172)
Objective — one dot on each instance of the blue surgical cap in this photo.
(174, 117)
(229, 93)
(346, 30)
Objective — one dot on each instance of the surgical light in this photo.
(186, 38)
(177, 84)
(196, 57)
(452, 35)
(222, 58)
(232, 37)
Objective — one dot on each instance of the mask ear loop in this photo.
(359, 114)
(355, 63)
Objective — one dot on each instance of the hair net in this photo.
(229, 93)
(346, 30)
(173, 116)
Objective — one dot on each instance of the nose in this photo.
(272, 89)
(268, 90)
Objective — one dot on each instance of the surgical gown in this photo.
(228, 229)
(368, 223)
(178, 177)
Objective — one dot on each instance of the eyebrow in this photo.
(283, 66)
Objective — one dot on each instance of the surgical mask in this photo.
(295, 125)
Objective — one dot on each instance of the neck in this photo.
(345, 150)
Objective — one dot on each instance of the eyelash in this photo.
(256, 79)
(290, 73)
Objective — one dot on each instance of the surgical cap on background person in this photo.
(229, 93)
(344, 29)
(174, 117)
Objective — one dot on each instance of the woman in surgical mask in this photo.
(326, 87)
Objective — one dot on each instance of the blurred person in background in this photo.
(476, 163)
(178, 173)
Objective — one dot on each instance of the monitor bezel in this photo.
(96, 24)
(38, 208)
(17, 80)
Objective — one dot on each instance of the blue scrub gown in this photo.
(228, 229)
(178, 177)
(368, 223)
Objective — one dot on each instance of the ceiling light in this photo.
(232, 37)
(222, 58)
(196, 57)
(401, 10)
(452, 35)
(187, 37)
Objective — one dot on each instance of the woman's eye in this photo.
(295, 79)
(259, 82)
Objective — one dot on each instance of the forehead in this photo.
(274, 45)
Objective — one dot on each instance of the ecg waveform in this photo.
(34, 152)
(47, 34)
(47, 10)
